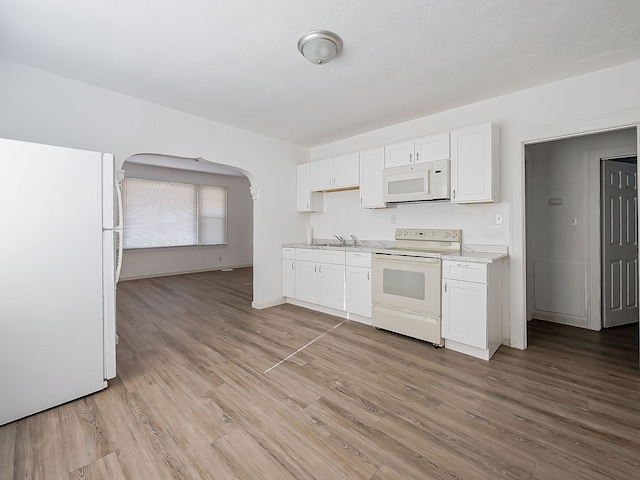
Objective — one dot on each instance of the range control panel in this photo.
(433, 234)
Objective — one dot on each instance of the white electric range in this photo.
(406, 282)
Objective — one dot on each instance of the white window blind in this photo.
(163, 214)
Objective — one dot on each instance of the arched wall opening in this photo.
(163, 261)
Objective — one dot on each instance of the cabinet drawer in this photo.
(308, 254)
(288, 253)
(331, 256)
(358, 259)
(468, 271)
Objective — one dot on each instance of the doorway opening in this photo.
(565, 225)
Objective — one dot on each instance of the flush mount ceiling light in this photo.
(320, 46)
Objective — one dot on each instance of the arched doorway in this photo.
(172, 260)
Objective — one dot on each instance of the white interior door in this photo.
(619, 243)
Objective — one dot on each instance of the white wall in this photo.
(46, 108)
(41, 107)
(238, 252)
(600, 100)
(560, 263)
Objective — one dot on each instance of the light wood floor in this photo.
(192, 400)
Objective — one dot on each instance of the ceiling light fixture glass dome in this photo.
(320, 46)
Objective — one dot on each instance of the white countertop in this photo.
(469, 253)
(479, 253)
(363, 245)
(475, 257)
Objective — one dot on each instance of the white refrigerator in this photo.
(60, 256)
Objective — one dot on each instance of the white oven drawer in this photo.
(466, 271)
(423, 327)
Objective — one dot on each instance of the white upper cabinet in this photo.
(346, 170)
(475, 164)
(425, 149)
(322, 175)
(307, 201)
(398, 154)
(371, 181)
(336, 173)
(431, 148)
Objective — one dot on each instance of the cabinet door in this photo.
(474, 164)
(358, 282)
(304, 188)
(322, 175)
(307, 281)
(398, 154)
(431, 148)
(289, 278)
(306, 200)
(331, 285)
(371, 178)
(464, 312)
(346, 170)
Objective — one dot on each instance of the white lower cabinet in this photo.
(288, 272)
(359, 290)
(472, 307)
(331, 285)
(358, 285)
(307, 281)
(320, 277)
(338, 280)
(464, 308)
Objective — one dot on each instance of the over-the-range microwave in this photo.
(417, 182)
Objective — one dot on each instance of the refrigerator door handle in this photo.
(120, 233)
(119, 200)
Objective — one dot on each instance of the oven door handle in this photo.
(388, 258)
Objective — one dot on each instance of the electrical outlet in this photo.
(498, 219)
(393, 219)
(574, 220)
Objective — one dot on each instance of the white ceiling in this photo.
(236, 61)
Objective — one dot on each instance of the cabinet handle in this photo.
(410, 155)
(292, 265)
(360, 200)
(368, 275)
(308, 205)
(445, 287)
(320, 269)
(417, 156)
(454, 193)
(315, 268)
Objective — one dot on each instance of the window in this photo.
(163, 214)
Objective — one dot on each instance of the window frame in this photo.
(197, 216)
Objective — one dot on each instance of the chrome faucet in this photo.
(355, 240)
(341, 240)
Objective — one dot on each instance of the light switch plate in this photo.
(498, 219)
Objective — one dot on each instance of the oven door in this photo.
(407, 283)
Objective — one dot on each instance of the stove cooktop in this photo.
(415, 242)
